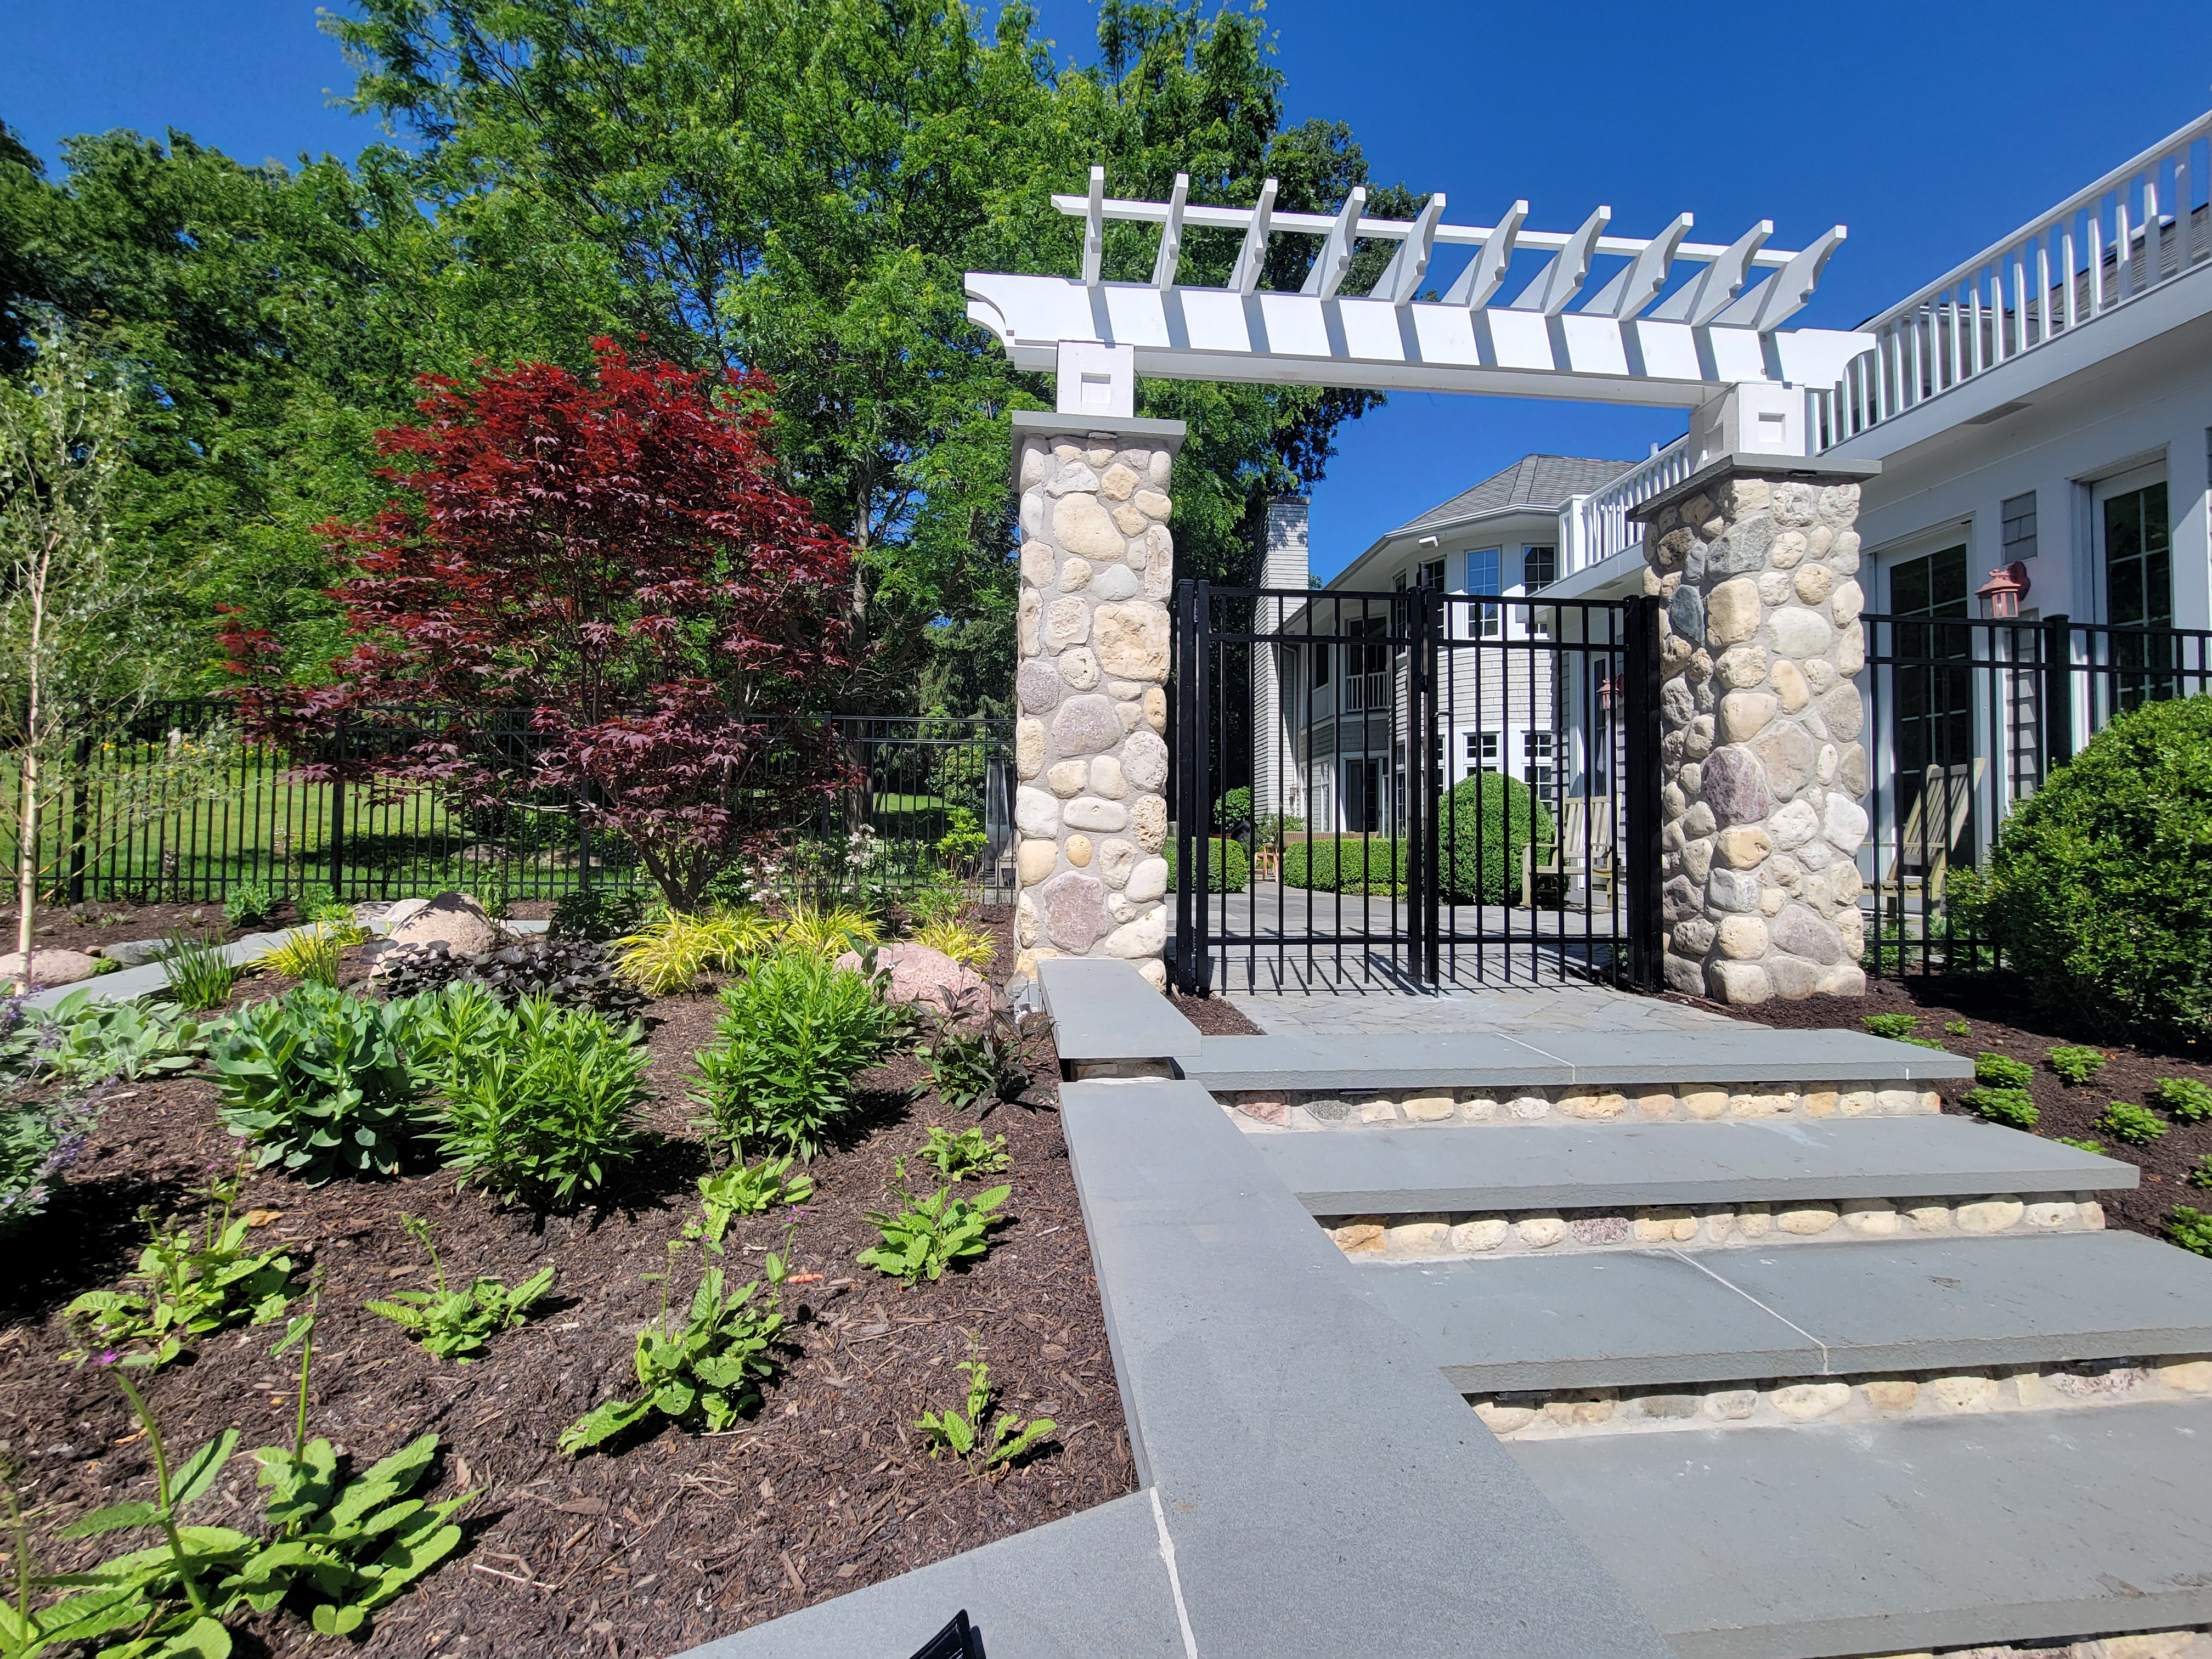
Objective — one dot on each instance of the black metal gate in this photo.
(1414, 787)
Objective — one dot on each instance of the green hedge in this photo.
(2100, 891)
(1486, 821)
(1376, 865)
(1228, 868)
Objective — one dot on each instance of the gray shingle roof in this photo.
(1543, 481)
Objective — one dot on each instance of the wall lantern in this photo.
(2000, 595)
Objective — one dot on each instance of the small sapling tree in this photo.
(605, 593)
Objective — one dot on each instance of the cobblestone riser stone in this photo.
(2192, 1644)
(1788, 1401)
(1297, 1110)
(1091, 809)
(1439, 1238)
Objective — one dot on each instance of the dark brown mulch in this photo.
(670, 1538)
(2000, 1020)
(1213, 1015)
(89, 925)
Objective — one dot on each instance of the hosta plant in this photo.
(2080, 1146)
(2190, 1229)
(927, 1234)
(968, 1153)
(2184, 1099)
(705, 1371)
(458, 1324)
(1999, 1071)
(1895, 1027)
(2078, 1067)
(962, 1434)
(2200, 1174)
(318, 1080)
(2138, 1125)
(190, 1281)
(793, 1033)
(248, 904)
(544, 1111)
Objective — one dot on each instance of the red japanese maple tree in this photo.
(609, 566)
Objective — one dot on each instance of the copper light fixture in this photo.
(2000, 595)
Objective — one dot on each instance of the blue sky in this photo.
(1928, 134)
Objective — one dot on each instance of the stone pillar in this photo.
(1091, 809)
(1762, 757)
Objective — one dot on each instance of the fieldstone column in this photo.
(1091, 809)
(1763, 760)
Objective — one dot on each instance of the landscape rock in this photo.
(49, 966)
(919, 974)
(454, 918)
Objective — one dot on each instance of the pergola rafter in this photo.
(1648, 332)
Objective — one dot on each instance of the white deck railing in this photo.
(2139, 227)
(1607, 528)
(1366, 692)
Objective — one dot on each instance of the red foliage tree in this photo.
(609, 568)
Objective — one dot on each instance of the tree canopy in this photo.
(788, 189)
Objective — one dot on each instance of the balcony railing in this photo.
(1607, 528)
(1363, 693)
(2138, 228)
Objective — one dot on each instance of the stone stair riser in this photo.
(1789, 1400)
(1498, 1235)
(2195, 1643)
(1314, 1109)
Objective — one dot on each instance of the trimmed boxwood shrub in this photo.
(1376, 865)
(2100, 891)
(1488, 819)
(1228, 867)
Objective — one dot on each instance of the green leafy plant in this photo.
(318, 1080)
(965, 945)
(671, 952)
(2184, 1099)
(2096, 1147)
(958, 1157)
(1228, 866)
(39, 1139)
(2200, 1173)
(925, 1236)
(745, 1190)
(318, 903)
(312, 953)
(599, 914)
(200, 975)
(963, 841)
(974, 1064)
(1957, 1027)
(80, 1041)
(793, 1033)
(709, 1370)
(247, 904)
(457, 1325)
(2077, 1068)
(2001, 1072)
(2136, 1126)
(1896, 1027)
(1483, 825)
(2190, 1229)
(191, 1281)
(962, 1433)
(541, 1106)
(496, 892)
(2095, 892)
(2012, 1107)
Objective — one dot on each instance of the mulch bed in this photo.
(672, 1538)
(2001, 1020)
(1213, 1015)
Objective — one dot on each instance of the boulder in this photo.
(49, 967)
(918, 974)
(131, 952)
(454, 918)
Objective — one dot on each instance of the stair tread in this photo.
(1632, 1318)
(1402, 1171)
(1426, 1060)
(1879, 1538)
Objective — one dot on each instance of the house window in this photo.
(1483, 575)
(2019, 515)
(2138, 559)
(1539, 567)
(1322, 653)
(1430, 575)
(1538, 772)
(1933, 699)
(1482, 751)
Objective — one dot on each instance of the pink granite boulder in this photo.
(48, 967)
(918, 974)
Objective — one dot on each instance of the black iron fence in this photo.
(1413, 785)
(935, 794)
(1966, 719)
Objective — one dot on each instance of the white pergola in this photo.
(1629, 341)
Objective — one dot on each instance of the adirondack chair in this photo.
(1933, 831)
(1582, 847)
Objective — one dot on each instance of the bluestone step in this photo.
(1468, 1060)
(1102, 1013)
(1629, 1318)
(1390, 1171)
(1788, 1543)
